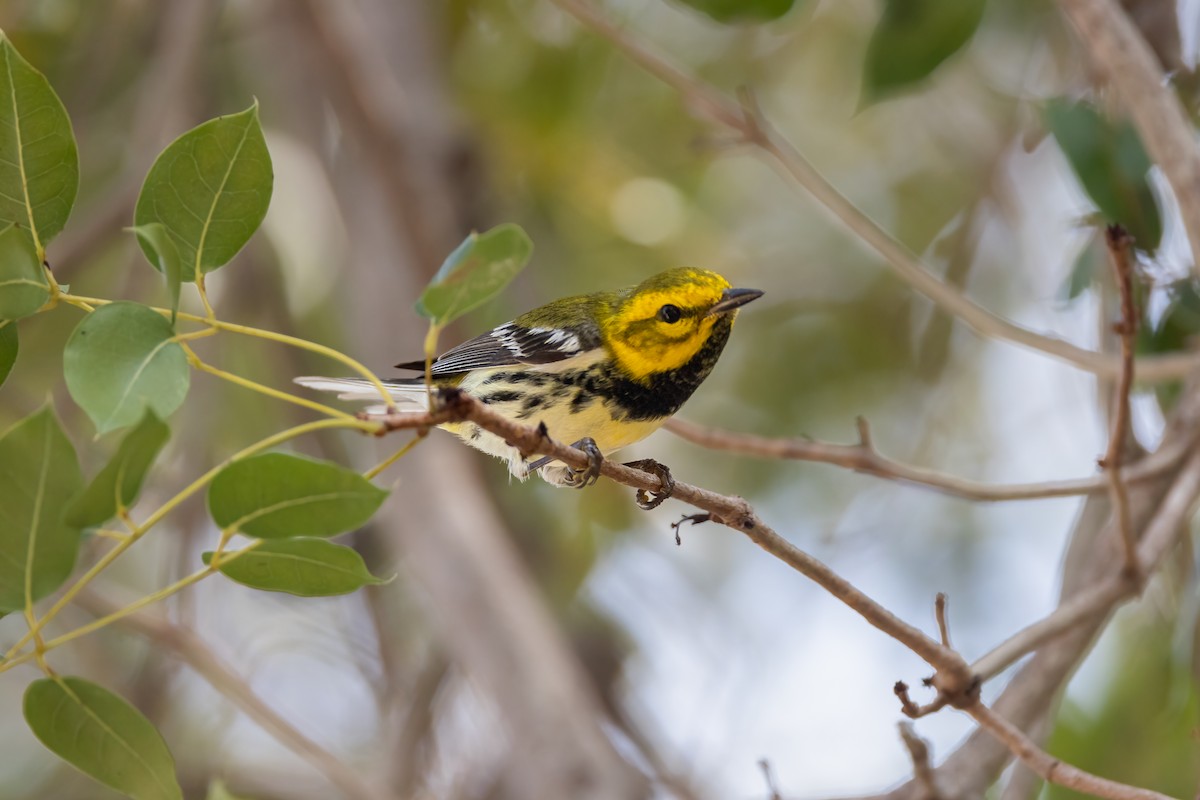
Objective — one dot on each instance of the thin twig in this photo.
(1119, 244)
(769, 778)
(749, 124)
(1120, 55)
(864, 458)
(952, 677)
(911, 708)
(1050, 768)
(1064, 618)
(918, 751)
(939, 610)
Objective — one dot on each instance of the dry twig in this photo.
(769, 778)
(864, 458)
(918, 751)
(1050, 768)
(939, 609)
(1119, 244)
(952, 677)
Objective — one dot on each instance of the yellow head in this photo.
(663, 322)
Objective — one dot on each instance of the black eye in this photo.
(669, 313)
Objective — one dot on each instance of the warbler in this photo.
(600, 370)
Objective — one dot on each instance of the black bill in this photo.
(733, 299)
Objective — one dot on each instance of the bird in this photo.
(600, 370)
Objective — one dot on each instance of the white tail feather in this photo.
(411, 398)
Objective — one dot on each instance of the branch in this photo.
(953, 678)
(1119, 244)
(864, 458)
(749, 124)
(1050, 768)
(1160, 536)
(918, 751)
(192, 650)
(1120, 55)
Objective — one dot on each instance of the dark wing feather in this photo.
(509, 345)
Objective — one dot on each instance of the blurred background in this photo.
(533, 632)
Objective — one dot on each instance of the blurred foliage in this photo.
(741, 10)
(1111, 163)
(912, 39)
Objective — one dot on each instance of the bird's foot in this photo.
(653, 499)
(582, 478)
(571, 476)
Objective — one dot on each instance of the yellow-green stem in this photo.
(271, 336)
(202, 290)
(246, 383)
(132, 608)
(394, 457)
(195, 486)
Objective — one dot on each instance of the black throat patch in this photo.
(661, 396)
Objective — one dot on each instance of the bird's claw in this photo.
(582, 478)
(653, 499)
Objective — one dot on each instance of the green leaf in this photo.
(276, 495)
(23, 285)
(121, 478)
(1179, 324)
(728, 11)
(218, 791)
(8, 348)
(102, 735)
(1110, 162)
(912, 39)
(120, 361)
(210, 189)
(163, 256)
(304, 567)
(1084, 270)
(38, 475)
(475, 272)
(39, 166)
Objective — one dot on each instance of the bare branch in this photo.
(911, 709)
(769, 778)
(953, 678)
(1119, 244)
(1160, 535)
(939, 608)
(1050, 768)
(1068, 614)
(746, 121)
(864, 458)
(918, 751)
(1120, 55)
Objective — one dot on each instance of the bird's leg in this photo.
(581, 478)
(648, 500)
(575, 478)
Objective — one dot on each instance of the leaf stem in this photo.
(394, 457)
(202, 290)
(245, 330)
(157, 516)
(246, 383)
(132, 608)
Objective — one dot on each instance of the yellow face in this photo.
(662, 323)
